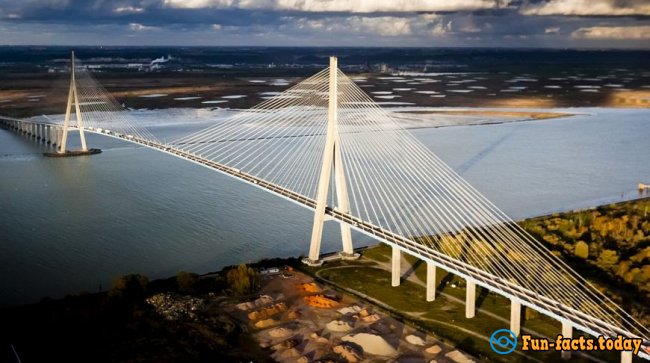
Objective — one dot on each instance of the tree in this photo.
(186, 281)
(581, 250)
(243, 279)
(129, 288)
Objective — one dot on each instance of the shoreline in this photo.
(441, 320)
(265, 261)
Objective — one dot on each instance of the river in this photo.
(73, 224)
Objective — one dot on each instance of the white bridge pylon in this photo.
(73, 98)
(331, 160)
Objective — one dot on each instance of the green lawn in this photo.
(447, 317)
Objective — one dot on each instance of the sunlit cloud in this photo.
(129, 10)
(141, 28)
(543, 23)
(359, 6)
(589, 8)
(613, 32)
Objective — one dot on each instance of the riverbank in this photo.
(201, 317)
(287, 318)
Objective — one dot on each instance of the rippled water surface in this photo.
(73, 224)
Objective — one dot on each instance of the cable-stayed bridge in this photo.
(327, 146)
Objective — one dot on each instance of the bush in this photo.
(581, 250)
(186, 281)
(129, 288)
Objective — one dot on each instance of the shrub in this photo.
(581, 250)
(186, 281)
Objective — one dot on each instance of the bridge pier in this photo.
(59, 136)
(626, 356)
(396, 270)
(515, 317)
(431, 281)
(567, 332)
(50, 135)
(470, 300)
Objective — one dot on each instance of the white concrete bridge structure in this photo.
(327, 146)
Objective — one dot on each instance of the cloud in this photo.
(358, 6)
(570, 23)
(589, 8)
(386, 26)
(353, 25)
(129, 9)
(441, 28)
(422, 25)
(613, 32)
(470, 29)
(141, 28)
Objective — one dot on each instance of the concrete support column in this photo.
(431, 281)
(626, 356)
(59, 136)
(470, 300)
(567, 332)
(396, 270)
(49, 134)
(515, 317)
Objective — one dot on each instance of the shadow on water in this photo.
(486, 151)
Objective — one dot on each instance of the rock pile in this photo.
(175, 307)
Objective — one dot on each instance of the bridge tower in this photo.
(331, 160)
(73, 97)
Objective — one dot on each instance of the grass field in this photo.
(444, 317)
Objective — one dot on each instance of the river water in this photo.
(73, 224)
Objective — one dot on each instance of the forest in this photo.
(609, 245)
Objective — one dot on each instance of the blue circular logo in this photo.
(503, 341)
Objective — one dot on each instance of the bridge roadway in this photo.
(544, 305)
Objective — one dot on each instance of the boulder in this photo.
(434, 349)
(415, 340)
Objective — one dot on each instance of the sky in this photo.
(415, 23)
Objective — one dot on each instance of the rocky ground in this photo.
(302, 321)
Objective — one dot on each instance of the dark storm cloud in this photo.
(333, 22)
